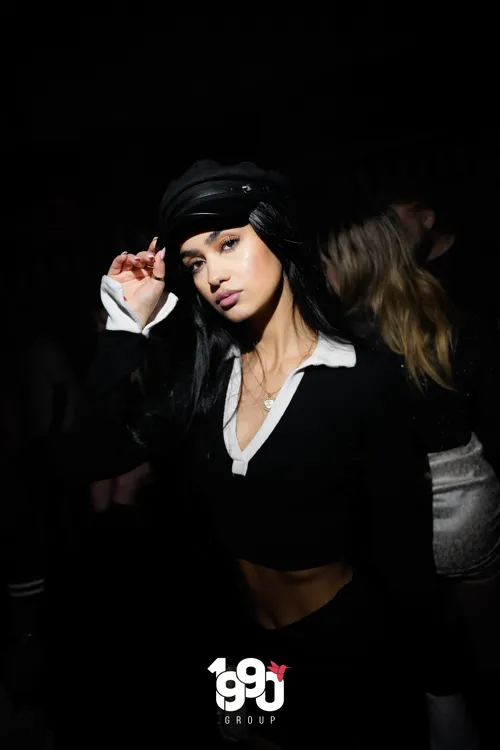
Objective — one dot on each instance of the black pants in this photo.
(350, 683)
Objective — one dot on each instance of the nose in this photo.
(216, 274)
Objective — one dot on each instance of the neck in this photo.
(281, 335)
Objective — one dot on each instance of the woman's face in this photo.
(417, 219)
(233, 270)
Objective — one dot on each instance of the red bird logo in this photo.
(279, 671)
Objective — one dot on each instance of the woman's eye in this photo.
(195, 267)
(230, 243)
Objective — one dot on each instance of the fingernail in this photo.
(162, 254)
(154, 238)
(125, 252)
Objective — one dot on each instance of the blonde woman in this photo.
(452, 365)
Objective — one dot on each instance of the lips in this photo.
(227, 299)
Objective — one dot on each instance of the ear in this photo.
(428, 218)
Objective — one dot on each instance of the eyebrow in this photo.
(195, 253)
(211, 237)
(189, 254)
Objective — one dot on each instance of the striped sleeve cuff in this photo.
(29, 588)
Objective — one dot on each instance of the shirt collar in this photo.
(327, 352)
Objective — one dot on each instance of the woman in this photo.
(453, 366)
(306, 516)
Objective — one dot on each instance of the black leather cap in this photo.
(209, 195)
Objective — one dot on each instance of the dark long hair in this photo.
(186, 367)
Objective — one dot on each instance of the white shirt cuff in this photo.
(121, 317)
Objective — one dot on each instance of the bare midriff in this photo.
(278, 598)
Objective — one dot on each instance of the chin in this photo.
(236, 315)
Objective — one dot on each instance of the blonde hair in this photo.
(376, 270)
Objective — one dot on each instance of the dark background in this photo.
(101, 111)
(110, 107)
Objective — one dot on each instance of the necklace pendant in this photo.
(268, 403)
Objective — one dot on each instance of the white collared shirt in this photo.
(327, 352)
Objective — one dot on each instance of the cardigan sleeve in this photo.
(397, 498)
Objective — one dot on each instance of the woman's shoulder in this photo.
(376, 379)
(374, 358)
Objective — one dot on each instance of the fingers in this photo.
(159, 267)
(149, 254)
(152, 262)
(117, 266)
(146, 259)
(124, 262)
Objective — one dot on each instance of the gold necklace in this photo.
(269, 401)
